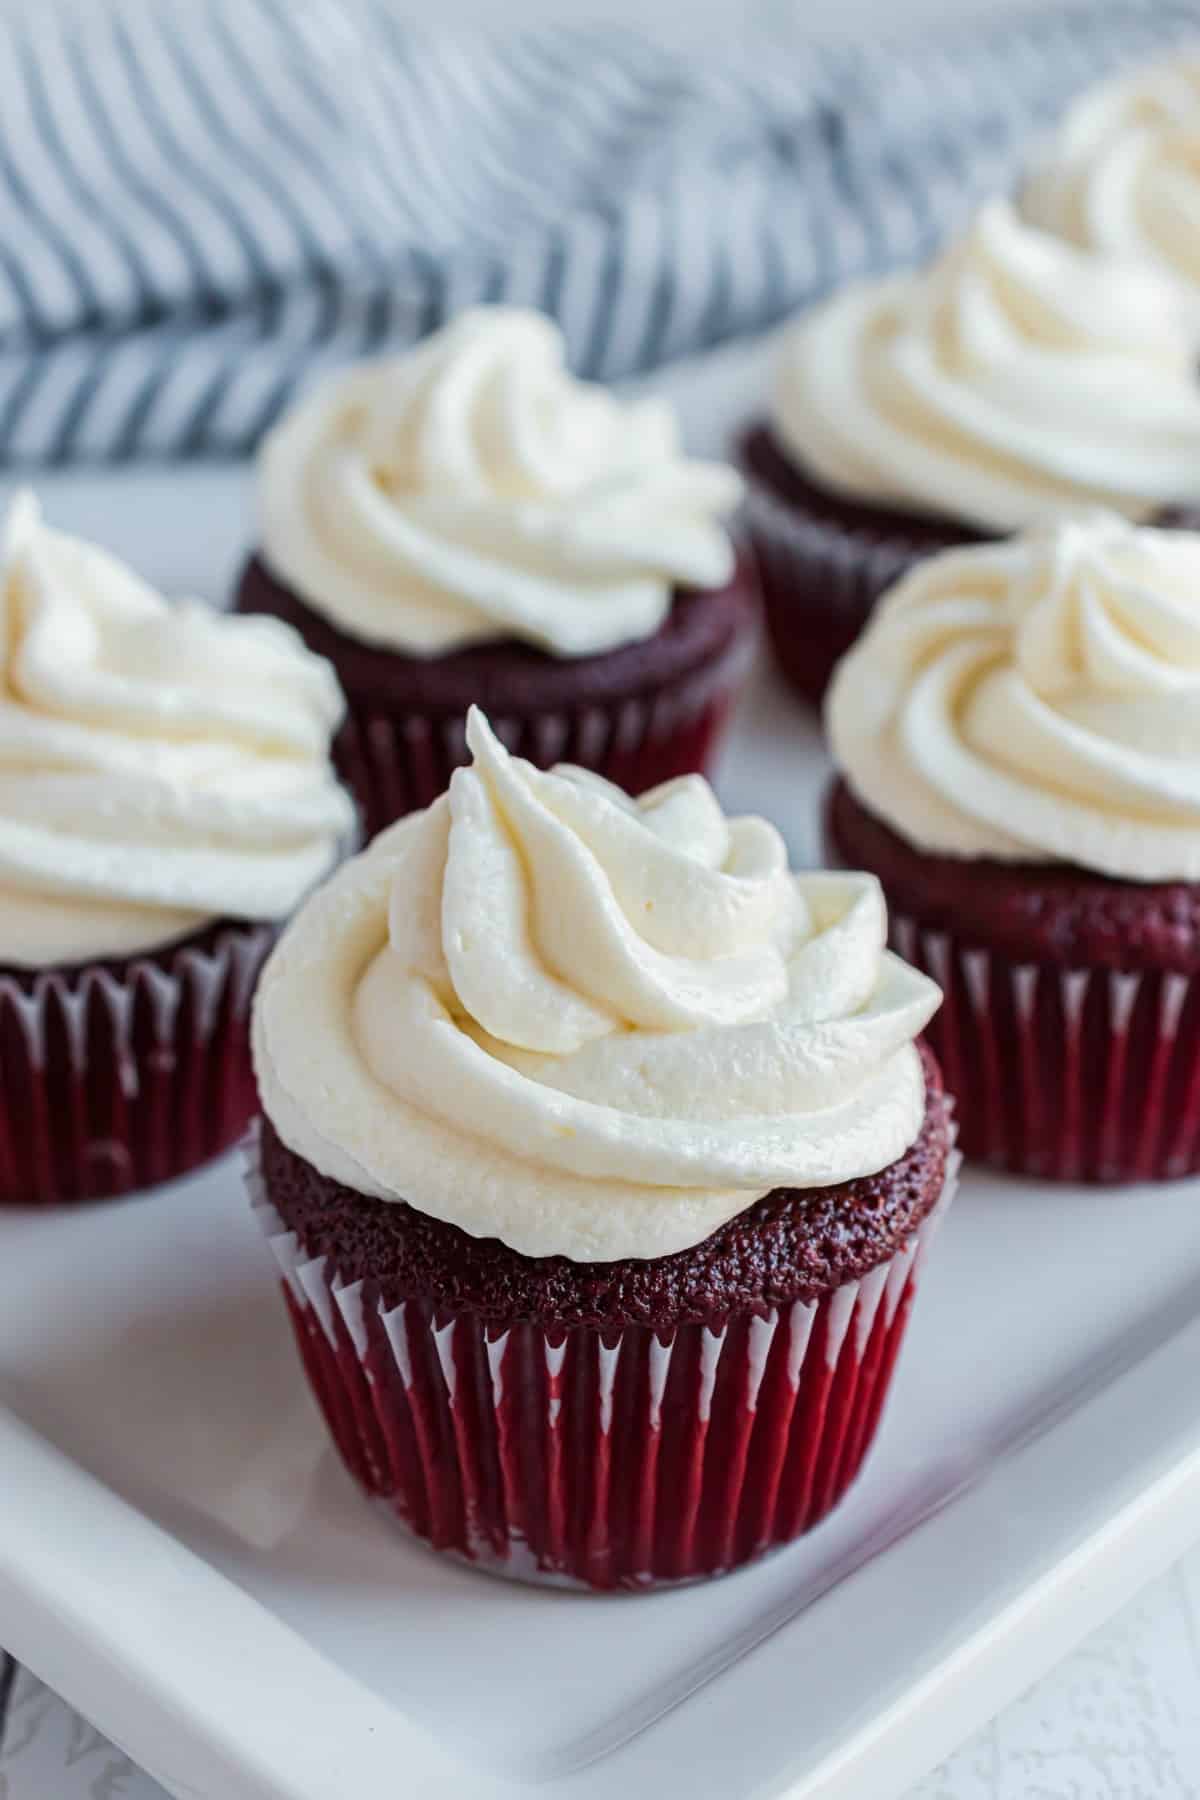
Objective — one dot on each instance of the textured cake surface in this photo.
(793, 1244)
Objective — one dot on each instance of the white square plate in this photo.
(181, 1559)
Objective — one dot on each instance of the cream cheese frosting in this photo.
(1122, 173)
(587, 1025)
(160, 764)
(1016, 377)
(471, 489)
(1036, 700)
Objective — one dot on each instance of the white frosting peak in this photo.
(588, 1025)
(1015, 378)
(1037, 700)
(472, 489)
(1122, 174)
(160, 764)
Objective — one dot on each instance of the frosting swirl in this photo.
(472, 489)
(1015, 378)
(1036, 700)
(1122, 174)
(587, 1025)
(160, 764)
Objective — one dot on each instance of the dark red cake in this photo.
(613, 1424)
(1070, 1026)
(120, 1073)
(638, 715)
(824, 559)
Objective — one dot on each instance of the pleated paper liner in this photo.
(818, 590)
(397, 765)
(120, 1074)
(604, 1459)
(821, 572)
(639, 714)
(1072, 1074)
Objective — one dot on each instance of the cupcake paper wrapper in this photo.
(1069, 1074)
(601, 1459)
(819, 583)
(397, 765)
(117, 1077)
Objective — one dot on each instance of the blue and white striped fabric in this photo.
(201, 204)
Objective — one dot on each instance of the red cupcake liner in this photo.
(596, 1458)
(820, 580)
(121, 1074)
(396, 765)
(1072, 1074)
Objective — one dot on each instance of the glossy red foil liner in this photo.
(1072, 1074)
(601, 1459)
(119, 1074)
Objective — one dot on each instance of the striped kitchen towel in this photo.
(199, 205)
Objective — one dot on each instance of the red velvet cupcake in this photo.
(1018, 735)
(1017, 378)
(166, 797)
(468, 524)
(601, 1179)
(121, 1072)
